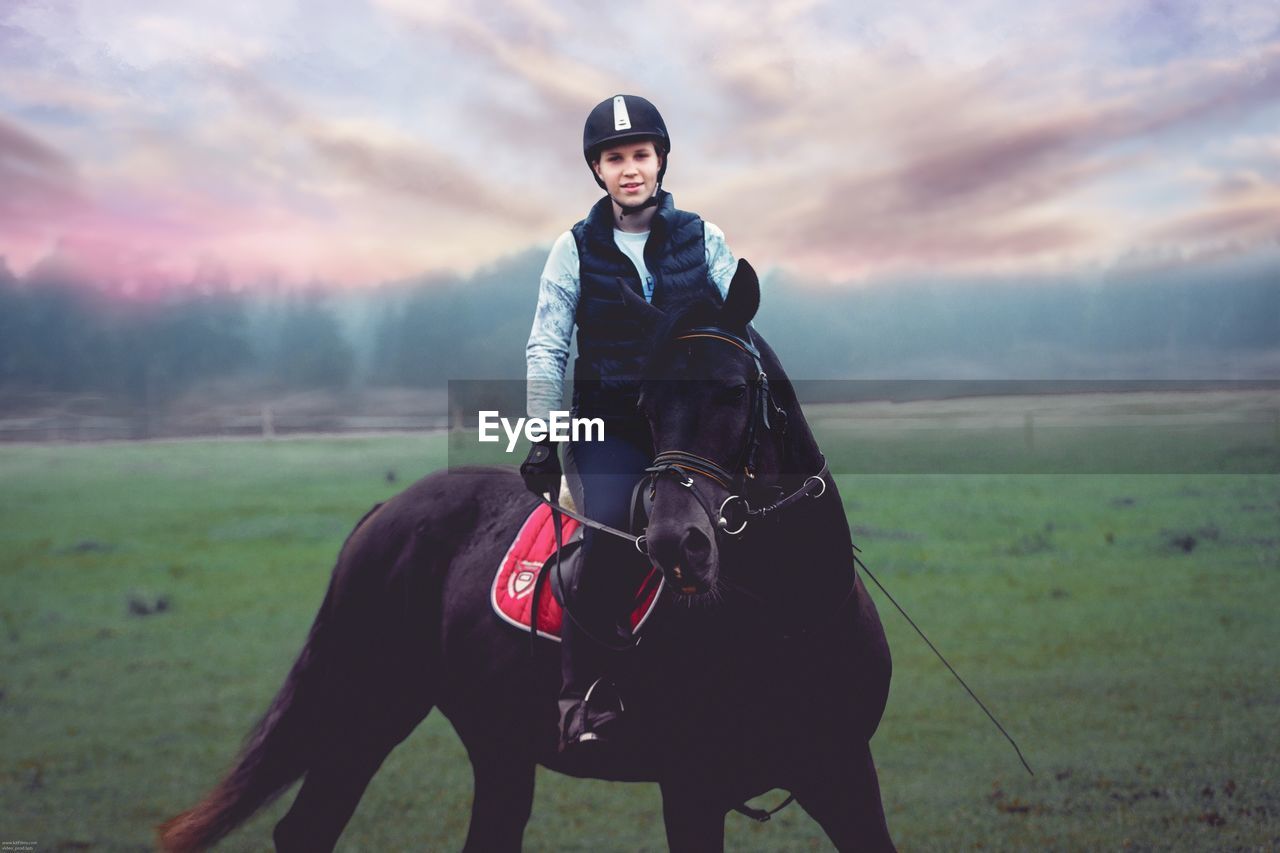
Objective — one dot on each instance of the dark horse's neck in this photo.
(801, 560)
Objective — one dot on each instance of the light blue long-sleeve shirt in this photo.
(547, 352)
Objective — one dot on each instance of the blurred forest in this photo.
(1208, 319)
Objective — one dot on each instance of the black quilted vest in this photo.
(611, 347)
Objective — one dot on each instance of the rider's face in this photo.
(629, 171)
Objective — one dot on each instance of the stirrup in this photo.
(588, 730)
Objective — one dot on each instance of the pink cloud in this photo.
(40, 184)
(409, 137)
(975, 169)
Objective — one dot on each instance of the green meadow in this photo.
(1123, 626)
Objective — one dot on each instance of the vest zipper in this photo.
(649, 260)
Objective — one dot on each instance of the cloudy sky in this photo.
(358, 142)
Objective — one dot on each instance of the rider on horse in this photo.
(633, 236)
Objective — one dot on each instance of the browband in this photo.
(720, 334)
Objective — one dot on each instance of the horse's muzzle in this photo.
(685, 557)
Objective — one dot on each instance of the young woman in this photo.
(636, 234)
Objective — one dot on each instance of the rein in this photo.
(565, 595)
(681, 464)
(815, 485)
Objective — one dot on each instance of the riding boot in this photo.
(590, 703)
(603, 473)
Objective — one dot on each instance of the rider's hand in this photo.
(541, 470)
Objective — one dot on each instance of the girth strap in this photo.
(762, 816)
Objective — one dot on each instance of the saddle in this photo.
(531, 554)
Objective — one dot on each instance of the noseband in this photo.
(681, 463)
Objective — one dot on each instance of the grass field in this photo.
(1124, 627)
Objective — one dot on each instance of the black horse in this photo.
(768, 668)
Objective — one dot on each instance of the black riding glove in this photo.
(541, 470)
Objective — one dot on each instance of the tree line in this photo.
(1181, 321)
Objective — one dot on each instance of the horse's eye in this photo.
(732, 395)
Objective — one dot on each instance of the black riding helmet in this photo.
(621, 118)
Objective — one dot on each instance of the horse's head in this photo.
(713, 420)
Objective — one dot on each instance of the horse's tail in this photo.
(270, 760)
(303, 716)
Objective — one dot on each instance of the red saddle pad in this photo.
(512, 594)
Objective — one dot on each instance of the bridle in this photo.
(738, 479)
(761, 404)
(681, 464)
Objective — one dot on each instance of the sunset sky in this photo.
(358, 142)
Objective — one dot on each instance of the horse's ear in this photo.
(743, 299)
(639, 308)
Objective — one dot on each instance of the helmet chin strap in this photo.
(632, 209)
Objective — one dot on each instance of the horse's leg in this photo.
(502, 802)
(340, 773)
(692, 823)
(844, 799)
(499, 727)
